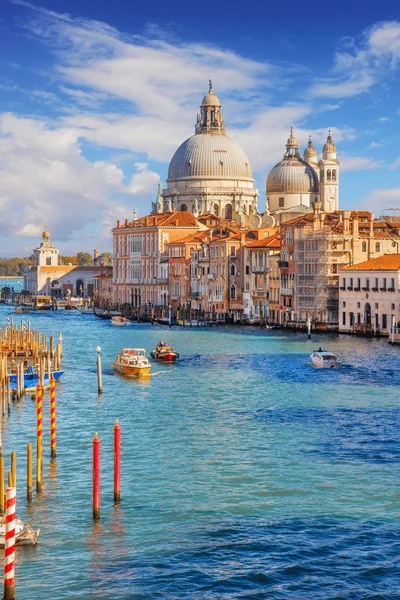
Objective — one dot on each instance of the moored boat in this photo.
(132, 362)
(164, 352)
(325, 359)
(120, 321)
(24, 534)
(31, 379)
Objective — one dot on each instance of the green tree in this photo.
(66, 260)
(106, 258)
(84, 258)
(14, 266)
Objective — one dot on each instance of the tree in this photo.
(106, 258)
(66, 260)
(14, 266)
(84, 258)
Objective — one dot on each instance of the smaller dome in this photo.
(329, 146)
(46, 235)
(310, 150)
(292, 175)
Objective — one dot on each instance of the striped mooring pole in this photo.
(117, 462)
(53, 422)
(96, 477)
(9, 544)
(39, 440)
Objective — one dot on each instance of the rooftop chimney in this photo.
(355, 223)
(118, 224)
(346, 221)
(371, 218)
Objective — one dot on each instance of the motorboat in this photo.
(24, 534)
(22, 309)
(325, 359)
(164, 353)
(31, 379)
(85, 310)
(120, 321)
(132, 362)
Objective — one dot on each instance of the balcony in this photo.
(383, 289)
(259, 269)
(161, 280)
(342, 287)
(390, 289)
(286, 291)
(196, 295)
(283, 264)
(357, 289)
(211, 276)
(349, 288)
(374, 289)
(365, 289)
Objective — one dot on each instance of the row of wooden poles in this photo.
(12, 474)
(19, 347)
(96, 470)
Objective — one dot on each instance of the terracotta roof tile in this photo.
(387, 262)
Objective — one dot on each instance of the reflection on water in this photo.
(245, 471)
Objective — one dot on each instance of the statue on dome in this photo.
(168, 206)
(195, 207)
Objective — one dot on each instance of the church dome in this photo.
(211, 100)
(292, 175)
(310, 151)
(210, 155)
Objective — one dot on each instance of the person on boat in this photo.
(160, 345)
(320, 349)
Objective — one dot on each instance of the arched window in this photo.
(328, 175)
(228, 212)
(183, 208)
(334, 175)
(233, 292)
(364, 247)
(377, 247)
(233, 270)
(80, 288)
(216, 210)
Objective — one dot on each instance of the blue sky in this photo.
(95, 97)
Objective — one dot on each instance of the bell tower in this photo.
(329, 176)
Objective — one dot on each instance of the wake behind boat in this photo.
(325, 359)
(132, 362)
(120, 321)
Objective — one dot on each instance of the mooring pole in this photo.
(99, 374)
(117, 462)
(96, 477)
(53, 422)
(9, 544)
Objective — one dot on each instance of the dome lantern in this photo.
(210, 119)
(329, 149)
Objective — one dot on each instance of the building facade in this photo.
(369, 296)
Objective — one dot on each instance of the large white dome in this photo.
(210, 155)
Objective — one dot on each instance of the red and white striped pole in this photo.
(96, 477)
(39, 437)
(9, 545)
(117, 462)
(53, 422)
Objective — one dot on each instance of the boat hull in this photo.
(169, 356)
(326, 364)
(131, 371)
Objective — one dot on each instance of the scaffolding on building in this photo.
(318, 254)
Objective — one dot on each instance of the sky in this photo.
(95, 97)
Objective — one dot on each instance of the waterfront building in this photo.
(296, 182)
(210, 172)
(48, 277)
(314, 247)
(103, 291)
(369, 295)
(140, 249)
(260, 252)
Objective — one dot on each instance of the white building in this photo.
(369, 295)
(295, 183)
(49, 278)
(210, 173)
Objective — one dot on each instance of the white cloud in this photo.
(383, 119)
(358, 163)
(375, 145)
(45, 179)
(361, 66)
(382, 199)
(144, 181)
(395, 165)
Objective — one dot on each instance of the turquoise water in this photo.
(14, 283)
(246, 472)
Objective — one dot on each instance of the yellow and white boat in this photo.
(132, 362)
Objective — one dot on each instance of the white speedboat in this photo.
(120, 321)
(24, 534)
(325, 359)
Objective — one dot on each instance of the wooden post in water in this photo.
(29, 472)
(1, 483)
(117, 462)
(309, 328)
(96, 477)
(39, 397)
(14, 468)
(53, 422)
(99, 373)
(9, 544)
